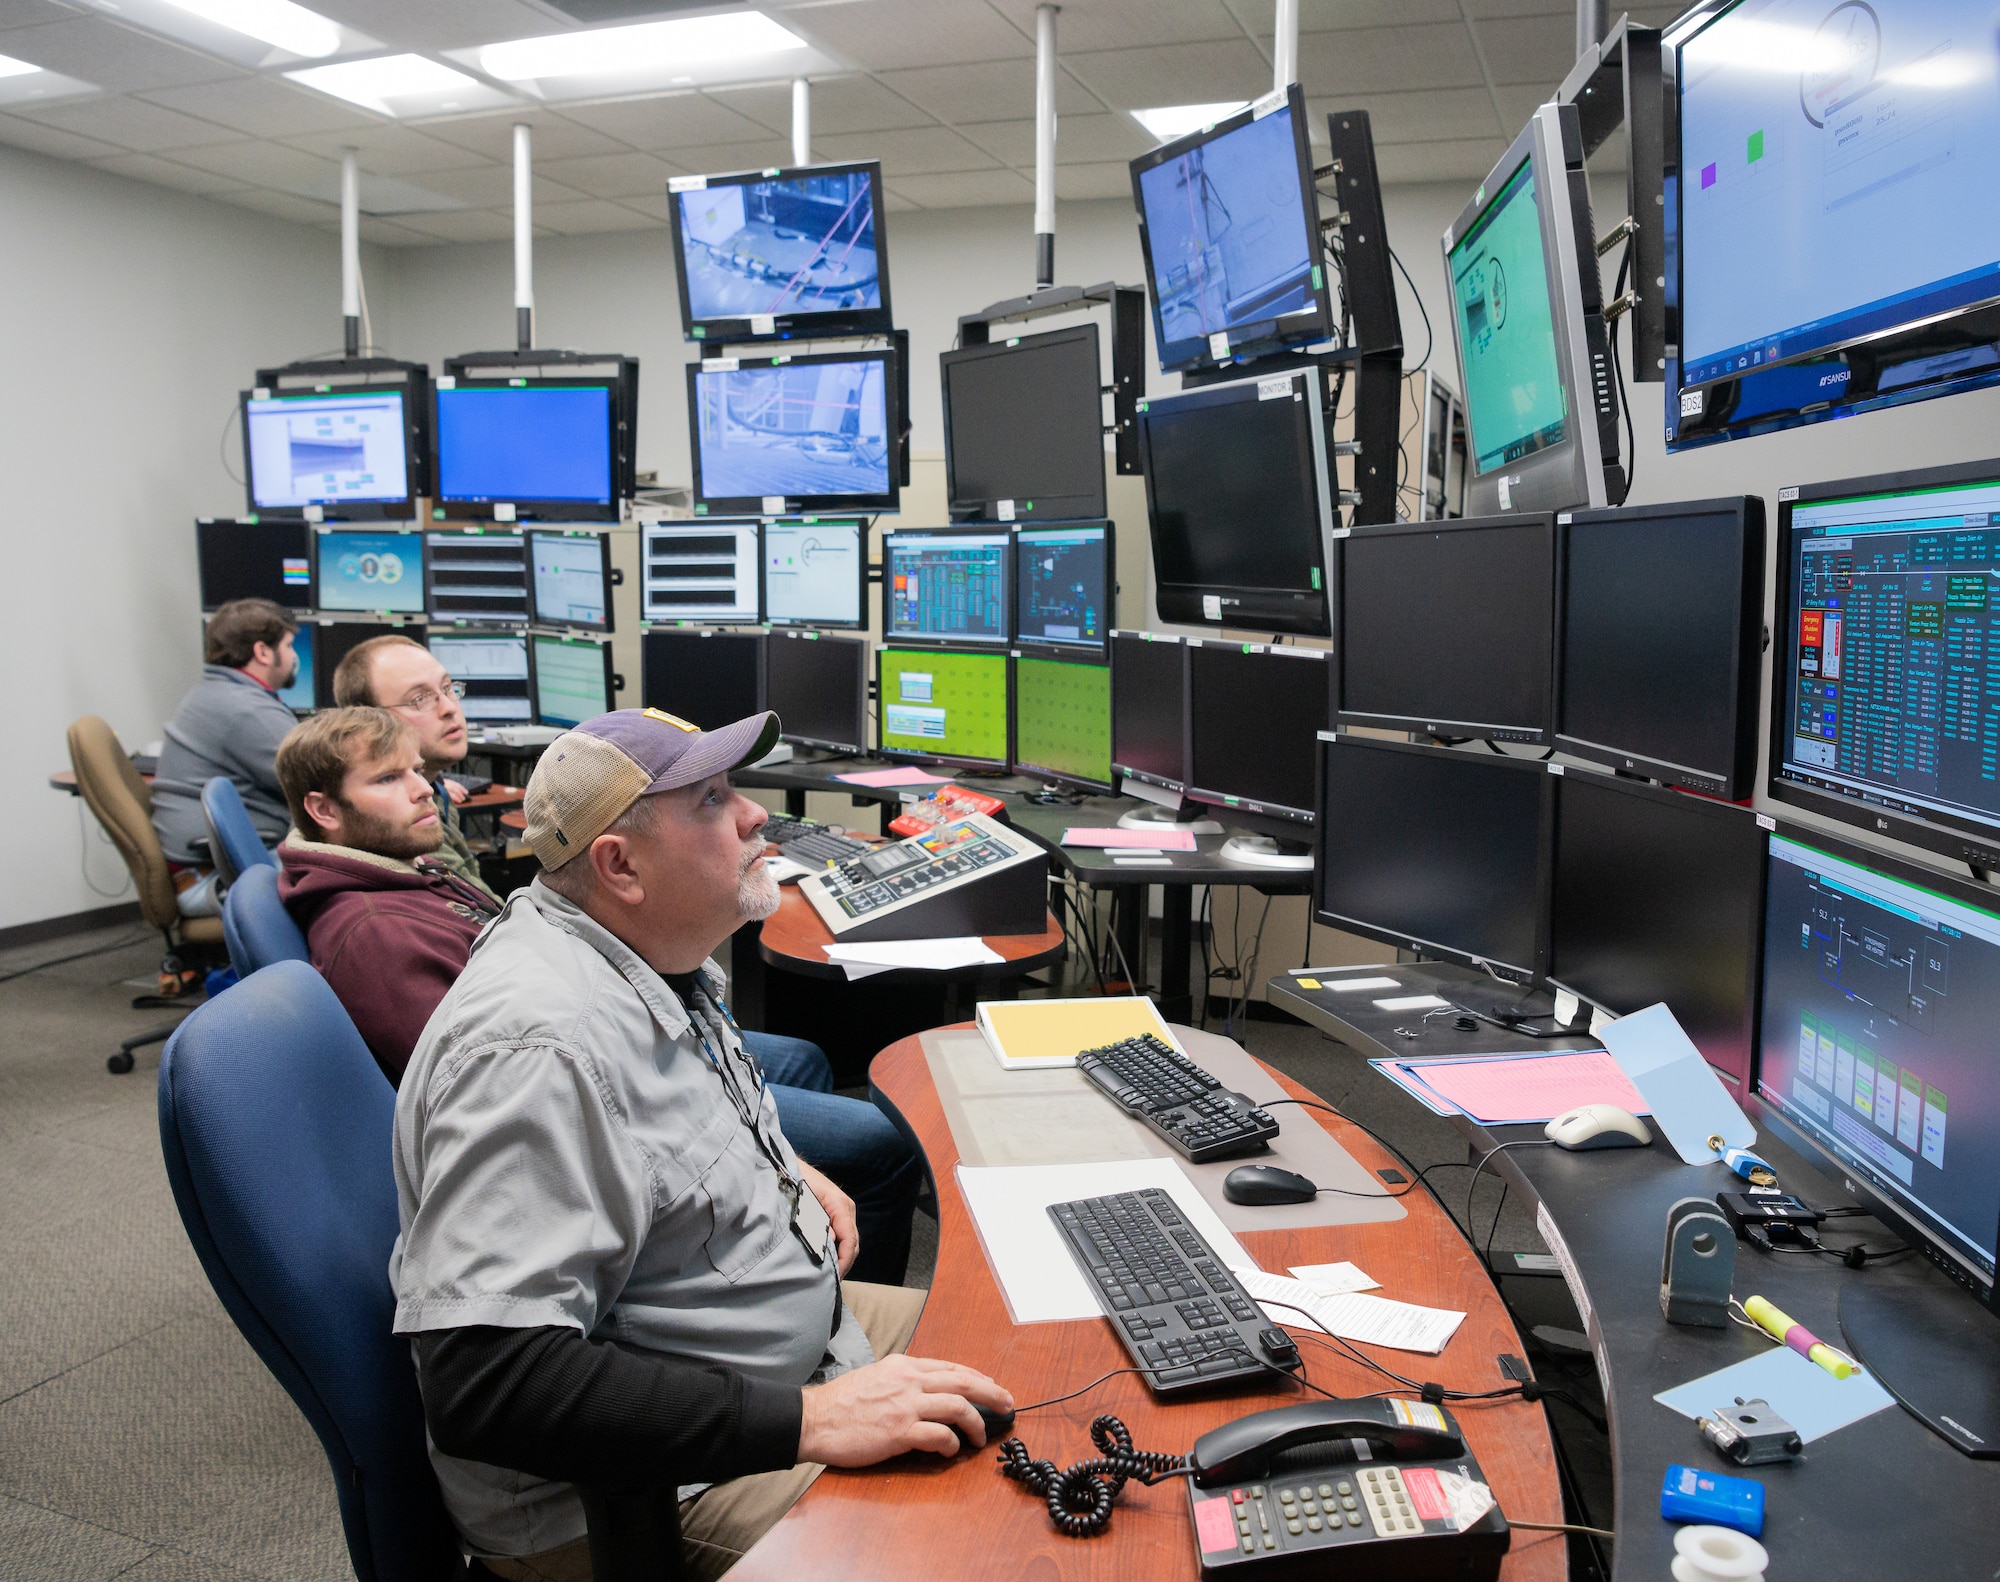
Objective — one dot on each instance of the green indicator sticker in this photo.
(518, 384)
(699, 510)
(437, 515)
(1756, 146)
(1318, 279)
(1315, 579)
(701, 332)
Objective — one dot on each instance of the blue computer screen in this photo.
(802, 244)
(371, 571)
(948, 585)
(525, 444)
(803, 430)
(1060, 585)
(1838, 165)
(1232, 244)
(299, 695)
(325, 449)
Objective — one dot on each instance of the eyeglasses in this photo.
(426, 700)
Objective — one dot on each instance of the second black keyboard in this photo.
(1178, 1099)
(807, 840)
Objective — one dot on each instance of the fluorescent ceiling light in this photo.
(1170, 121)
(644, 46)
(10, 67)
(374, 84)
(275, 22)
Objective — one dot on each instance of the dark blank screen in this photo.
(1146, 722)
(817, 685)
(708, 678)
(332, 642)
(1652, 612)
(247, 560)
(1229, 485)
(1657, 897)
(1027, 424)
(1433, 845)
(1454, 626)
(1255, 717)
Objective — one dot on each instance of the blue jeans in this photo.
(854, 1143)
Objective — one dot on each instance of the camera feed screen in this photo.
(809, 430)
(801, 244)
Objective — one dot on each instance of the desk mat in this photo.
(1047, 1117)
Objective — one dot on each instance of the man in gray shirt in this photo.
(230, 724)
(613, 1267)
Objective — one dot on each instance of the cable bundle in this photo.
(1080, 1499)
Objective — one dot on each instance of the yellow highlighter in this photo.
(1788, 1332)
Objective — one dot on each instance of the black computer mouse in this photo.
(998, 1426)
(1267, 1184)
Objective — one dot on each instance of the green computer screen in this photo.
(569, 681)
(947, 704)
(1062, 718)
(1514, 400)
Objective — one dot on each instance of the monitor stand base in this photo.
(1159, 818)
(1937, 1352)
(1507, 1003)
(1260, 851)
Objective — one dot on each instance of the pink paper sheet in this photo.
(1162, 840)
(880, 779)
(1505, 1091)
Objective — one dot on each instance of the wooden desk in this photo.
(494, 796)
(920, 1517)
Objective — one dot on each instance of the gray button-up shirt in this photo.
(574, 1148)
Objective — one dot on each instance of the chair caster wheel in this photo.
(119, 1063)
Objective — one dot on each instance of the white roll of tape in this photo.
(1717, 1554)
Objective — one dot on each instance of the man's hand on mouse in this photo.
(900, 1403)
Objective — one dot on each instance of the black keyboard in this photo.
(1183, 1103)
(808, 840)
(1179, 1311)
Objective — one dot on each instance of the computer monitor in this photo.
(332, 641)
(1024, 428)
(1832, 244)
(494, 669)
(1254, 713)
(816, 573)
(1657, 895)
(700, 571)
(1218, 459)
(572, 579)
(344, 455)
(1659, 640)
(572, 679)
(818, 687)
(1433, 850)
(477, 577)
(1229, 225)
(779, 436)
(378, 572)
(301, 697)
(1880, 709)
(1449, 627)
(774, 254)
(1065, 582)
(254, 560)
(943, 706)
(947, 585)
(711, 678)
(542, 449)
(1149, 709)
(1062, 720)
(1533, 355)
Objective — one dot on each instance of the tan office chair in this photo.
(123, 803)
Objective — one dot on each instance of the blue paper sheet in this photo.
(1686, 1097)
(1802, 1392)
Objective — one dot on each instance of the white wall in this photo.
(134, 315)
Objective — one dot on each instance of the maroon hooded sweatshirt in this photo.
(390, 937)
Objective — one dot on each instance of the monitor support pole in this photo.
(1045, 145)
(350, 249)
(524, 240)
(802, 137)
(1285, 46)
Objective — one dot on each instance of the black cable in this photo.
(1430, 338)
(1079, 1500)
(1389, 1147)
(1478, 1170)
(1618, 369)
(80, 955)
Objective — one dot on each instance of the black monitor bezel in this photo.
(658, 635)
(276, 525)
(536, 617)
(434, 617)
(785, 326)
(535, 670)
(413, 628)
(1049, 508)
(1534, 735)
(906, 755)
(863, 674)
(1505, 763)
(1016, 764)
(1075, 648)
(416, 459)
(782, 623)
(416, 530)
(1146, 777)
(1297, 823)
(706, 615)
(1962, 839)
(797, 504)
(458, 508)
(1274, 341)
(1734, 781)
(994, 645)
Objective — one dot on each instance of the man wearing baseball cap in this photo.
(613, 1267)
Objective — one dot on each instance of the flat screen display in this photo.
(254, 560)
(479, 577)
(1148, 708)
(815, 573)
(370, 571)
(948, 585)
(1254, 715)
(1062, 720)
(494, 668)
(1024, 427)
(1063, 585)
(572, 578)
(802, 431)
(935, 703)
(300, 695)
(711, 678)
(326, 450)
(572, 680)
(818, 687)
(529, 442)
(700, 571)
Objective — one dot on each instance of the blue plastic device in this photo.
(1750, 1167)
(1690, 1494)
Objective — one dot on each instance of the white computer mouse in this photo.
(1597, 1126)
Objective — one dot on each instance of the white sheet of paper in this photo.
(1355, 985)
(1410, 1002)
(1029, 1258)
(1372, 1319)
(1334, 1279)
(935, 955)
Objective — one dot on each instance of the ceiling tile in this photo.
(1518, 102)
(444, 24)
(991, 91)
(1378, 59)
(1137, 79)
(591, 218)
(657, 204)
(133, 124)
(492, 187)
(878, 34)
(259, 164)
(1115, 24)
(25, 13)
(262, 107)
(921, 151)
(555, 136)
(1455, 161)
(284, 206)
(114, 56)
(1537, 50)
(719, 159)
(388, 233)
(1317, 16)
(898, 205)
(168, 173)
(1080, 139)
(839, 104)
(1483, 9)
(390, 150)
(467, 225)
(1111, 179)
(672, 120)
(53, 141)
(966, 190)
(1433, 116)
(611, 175)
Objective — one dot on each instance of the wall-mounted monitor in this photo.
(1024, 427)
(943, 706)
(572, 579)
(478, 577)
(777, 254)
(816, 573)
(948, 585)
(699, 571)
(543, 449)
(1065, 582)
(377, 572)
(573, 680)
(1062, 720)
(1227, 455)
(332, 641)
(711, 678)
(1149, 709)
(254, 560)
(1229, 226)
(499, 687)
(1254, 714)
(818, 688)
(342, 455)
(779, 436)
(300, 695)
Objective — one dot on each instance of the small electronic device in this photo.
(1064, 586)
(818, 688)
(254, 560)
(573, 679)
(785, 435)
(996, 1426)
(1266, 1184)
(711, 678)
(1780, 1216)
(375, 572)
(325, 454)
(1750, 1433)
(948, 585)
(1185, 1104)
(493, 667)
(1597, 1126)
(971, 876)
(1062, 721)
(807, 841)
(943, 805)
(572, 579)
(1024, 427)
(533, 446)
(478, 577)
(778, 254)
(816, 573)
(943, 706)
(1347, 1490)
(1202, 1329)
(1694, 1494)
(1254, 713)
(700, 571)
(1149, 710)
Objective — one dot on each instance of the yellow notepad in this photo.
(1025, 1034)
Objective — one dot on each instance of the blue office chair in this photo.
(255, 925)
(233, 842)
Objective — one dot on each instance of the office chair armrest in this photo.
(633, 1537)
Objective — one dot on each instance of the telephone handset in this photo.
(1316, 1490)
